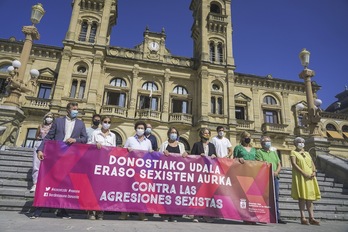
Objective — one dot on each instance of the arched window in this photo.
(215, 8)
(180, 90)
(118, 82)
(330, 127)
(332, 132)
(345, 128)
(186, 144)
(212, 51)
(220, 54)
(150, 86)
(93, 32)
(118, 139)
(83, 32)
(269, 100)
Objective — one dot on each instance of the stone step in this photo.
(17, 158)
(17, 153)
(5, 183)
(317, 207)
(10, 193)
(323, 201)
(15, 204)
(17, 176)
(295, 215)
(15, 169)
(25, 149)
(18, 164)
(285, 183)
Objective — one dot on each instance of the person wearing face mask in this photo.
(151, 137)
(304, 186)
(137, 142)
(222, 144)
(204, 148)
(40, 134)
(68, 129)
(244, 151)
(270, 156)
(102, 137)
(95, 126)
(172, 146)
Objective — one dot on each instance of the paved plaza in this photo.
(13, 221)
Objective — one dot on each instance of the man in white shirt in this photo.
(223, 145)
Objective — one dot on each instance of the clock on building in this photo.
(153, 46)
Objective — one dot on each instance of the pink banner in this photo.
(112, 179)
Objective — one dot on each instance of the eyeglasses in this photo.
(108, 122)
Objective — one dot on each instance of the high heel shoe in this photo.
(312, 221)
(304, 221)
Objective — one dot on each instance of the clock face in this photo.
(153, 46)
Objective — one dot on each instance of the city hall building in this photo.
(150, 83)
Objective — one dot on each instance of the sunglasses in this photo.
(108, 122)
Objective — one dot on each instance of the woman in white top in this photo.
(172, 145)
(102, 137)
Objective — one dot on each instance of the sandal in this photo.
(312, 221)
(304, 221)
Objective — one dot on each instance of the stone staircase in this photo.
(15, 182)
(333, 204)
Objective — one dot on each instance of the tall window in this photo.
(3, 85)
(240, 112)
(82, 89)
(180, 106)
(212, 51)
(83, 32)
(73, 89)
(220, 54)
(214, 8)
(271, 116)
(186, 144)
(216, 105)
(45, 91)
(30, 138)
(118, 139)
(116, 99)
(149, 101)
(93, 33)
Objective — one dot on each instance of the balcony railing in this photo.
(38, 103)
(274, 128)
(148, 114)
(217, 18)
(245, 124)
(114, 110)
(180, 117)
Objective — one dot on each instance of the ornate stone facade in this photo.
(149, 83)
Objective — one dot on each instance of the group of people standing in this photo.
(71, 130)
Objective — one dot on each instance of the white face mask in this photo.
(221, 133)
(106, 126)
(140, 132)
(49, 120)
(300, 146)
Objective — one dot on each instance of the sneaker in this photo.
(174, 220)
(165, 220)
(91, 215)
(33, 188)
(37, 213)
(63, 214)
(195, 220)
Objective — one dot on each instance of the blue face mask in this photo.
(268, 145)
(173, 136)
(73, 113)
(148, 131)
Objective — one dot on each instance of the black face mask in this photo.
(247, 140)
(96, 123)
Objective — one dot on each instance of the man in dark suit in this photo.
(68, 129)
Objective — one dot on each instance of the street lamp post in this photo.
(312, 117)
(16, 81)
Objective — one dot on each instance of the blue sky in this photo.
(267, 34)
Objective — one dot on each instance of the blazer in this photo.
(57, 132)
(198, 149)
